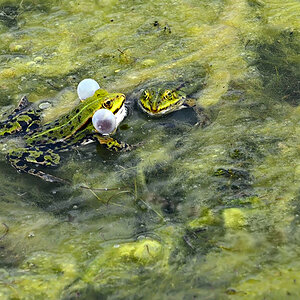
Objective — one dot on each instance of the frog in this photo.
(165, 99)
(43, 143)
(23, 116)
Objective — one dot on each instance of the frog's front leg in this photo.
(22, 159)
(112, 144)
(202, 117)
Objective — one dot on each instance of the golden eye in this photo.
(168, 95)
(145, 95)
(107, 104)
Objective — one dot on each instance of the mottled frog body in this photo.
(43, 143)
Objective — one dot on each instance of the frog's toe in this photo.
(47, 177)
(127, 147)
(203, 121)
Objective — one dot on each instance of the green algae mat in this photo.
(193, 213)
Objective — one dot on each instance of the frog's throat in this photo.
(121, 114)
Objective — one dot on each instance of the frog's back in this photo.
(66, 125)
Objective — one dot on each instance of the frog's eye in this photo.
(108, 104)
(104, 121)
(168, 95)
(86, 88)
(146, 95)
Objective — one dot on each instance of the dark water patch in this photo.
(9, 14)
(163, 188)
(49, 197)
(5, 58)
(232, 186)
(39, 5)
(233, 181)
(89, 292)
(200, 241)
(255, 3)
(279, 66)
(8, 258)
(5, 97)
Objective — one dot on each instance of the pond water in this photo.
(194, 213)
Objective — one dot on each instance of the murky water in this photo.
(202, 213)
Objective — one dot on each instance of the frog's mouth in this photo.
(163, 111)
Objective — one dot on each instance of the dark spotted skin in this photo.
(44, 143)
(22, 120)
(19, 121)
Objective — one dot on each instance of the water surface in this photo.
(205, 213)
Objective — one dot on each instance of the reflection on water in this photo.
(209, 213)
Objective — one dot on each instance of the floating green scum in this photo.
(203, 213)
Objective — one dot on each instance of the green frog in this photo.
(163, 100)
(44, 143)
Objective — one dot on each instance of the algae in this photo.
(200, 212)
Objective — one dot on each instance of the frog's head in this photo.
(115, 102)
(160, 102)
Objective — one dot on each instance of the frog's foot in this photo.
(202, 117)
(22, 158)
(113, 145)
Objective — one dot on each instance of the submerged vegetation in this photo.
(194, 212)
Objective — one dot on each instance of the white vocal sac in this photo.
(87, 88)
(104, 121)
